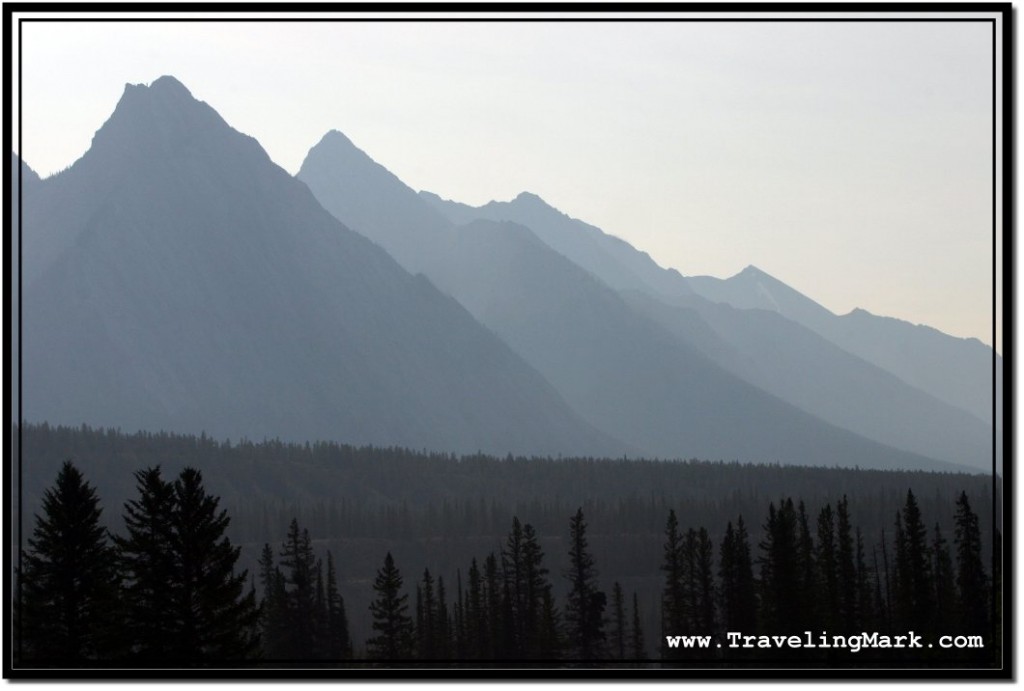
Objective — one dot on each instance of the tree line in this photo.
(167, 590)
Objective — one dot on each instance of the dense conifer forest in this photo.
(338, 555)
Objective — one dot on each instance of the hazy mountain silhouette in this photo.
(955, 370)
(617, 263)
(836, 378)
(24, 185)
(817, 376)
(619, 369)
(181, 280)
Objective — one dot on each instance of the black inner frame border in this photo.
(775, 669)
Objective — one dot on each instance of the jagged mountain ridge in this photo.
(958, 371)
(953, 370)
(949, 372)
(622, 371)
(183, 281)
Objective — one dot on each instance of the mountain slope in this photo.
(958, 371)
(801, 367)
(863, 377)
(617, 263)
(618, 368)
(183, 281)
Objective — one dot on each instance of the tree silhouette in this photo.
(585, 604)
(69, 580)
(394, 639)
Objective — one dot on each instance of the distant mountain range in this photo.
(176, 278)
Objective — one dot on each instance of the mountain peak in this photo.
(529, 198)
(336, 137)
(169, 85)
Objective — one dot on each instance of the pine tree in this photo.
(782, 602)
(827, 568)
(299, 567)
(443, 624)
(637, 647)
(846, 570)
(494, 604)
(808, 572)
(146, 560)
(426, 618)
(68, 586)
(273, 608)
(866, 587)
(704, 619)
(737, 597)
(585, 605)
(515, 586)
(338, 644)
(917, 579)
(973, 588)
(395, 636)
(218, 618)
(945, 581)
(674, 594)
(618, 637)
(537, 587)
(551, 637)
(185, 602)
(476, 615)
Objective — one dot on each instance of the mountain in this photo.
(800, 366)
(617, 263)
(617, 367)
(958, 371)
(24, 183)
(859, 372)
(178, 279)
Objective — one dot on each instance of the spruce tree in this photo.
(737, 597)
(636, 640)
(846, 570)
(973, 588)
(273, 608)
(494, 607)
(782, 602)
(146, 560)
(426, 618)
(945, 582)
(827, 569)
(68, 586)
(338, 644)
(673, 594)
(808, 572)
(704, 616)
(586, 603)
(536, 586)
(218, 618)
(476, 615)
(918, 582)
(619, 635)
(298, 564)
(185, 603)
(515, 586)
(394, 637)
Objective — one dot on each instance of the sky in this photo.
(851, 160)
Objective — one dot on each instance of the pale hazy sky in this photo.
(852, 161)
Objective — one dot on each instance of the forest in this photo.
(179, 550)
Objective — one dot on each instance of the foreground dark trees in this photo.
(68, 595)
(165, 590)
